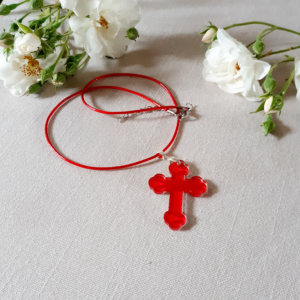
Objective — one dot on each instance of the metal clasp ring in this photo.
(181, 112)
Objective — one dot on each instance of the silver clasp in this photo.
(181, 112)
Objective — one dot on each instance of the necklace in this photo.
(177, 184)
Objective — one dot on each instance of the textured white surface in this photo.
(73, 234)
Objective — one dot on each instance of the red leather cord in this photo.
(87, 88)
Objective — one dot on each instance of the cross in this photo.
(176, 186)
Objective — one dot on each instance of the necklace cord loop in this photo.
(179, 111)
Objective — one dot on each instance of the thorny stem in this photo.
(273, 27)
(277, 52)
(262, 23)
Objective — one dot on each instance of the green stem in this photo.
(261, 37)
(22, 2)
(84, 61)
(57, 17)
(67, 33)
(288, 82)
(281, 62)
(262, 23)
(22, 19)
(64, 18)
(52, 13)
(67, 49)
(262, 34)
(46, 6)
(62, 51)
(276, 52)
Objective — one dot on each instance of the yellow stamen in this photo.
(32, 68)
(103, 22)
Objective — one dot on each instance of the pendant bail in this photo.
(170, 159)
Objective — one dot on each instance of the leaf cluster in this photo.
(49, 37)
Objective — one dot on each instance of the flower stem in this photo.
(84, 61)
(21, 20)
(288, 82)
(281, 62)
(64, 45)
(262, 34)
(52, 13)
(65, 17)
(57, 17)
(22, 2)
(277, 52)
(262, 23)
(46, 6)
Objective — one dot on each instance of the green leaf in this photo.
(277, 103)
(34, 88)
(269, 125)
(4, 10)
(24, 28)
(71, 68)
(7, 39)
(35, 24)
(265, 95)
(47, 73)
(36, 4)
(13, 27)
(71, 59)
(45, 13)
(260, 108)
(8, 52)
(13, 6)
(45, 50)
(80, 56)
(204, 31)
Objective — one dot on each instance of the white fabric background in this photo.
(73, 234)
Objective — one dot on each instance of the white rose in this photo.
(209, 35)
(81, 8)
(104, 32)
(297, 76)
(21, 71)
(233, 67)
(27, 43)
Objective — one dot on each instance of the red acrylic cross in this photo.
(176, 186)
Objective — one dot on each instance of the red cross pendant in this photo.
(176, 185)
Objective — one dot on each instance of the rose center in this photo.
(103, 22)
(237, 67)
(32, 68)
